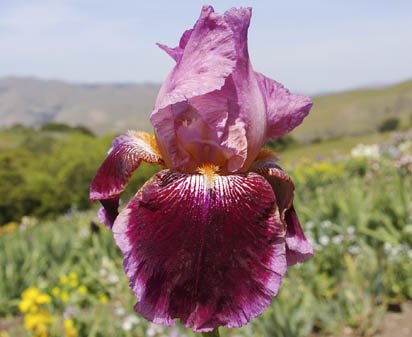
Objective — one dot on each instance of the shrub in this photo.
(389, 124)
(282, 143)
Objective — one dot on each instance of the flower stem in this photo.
(214, 333)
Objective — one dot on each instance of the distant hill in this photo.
(101, 107)
(117, 107)
(356, 112)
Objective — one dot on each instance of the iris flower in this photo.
(208, 239)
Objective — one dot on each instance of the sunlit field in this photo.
(61, 272)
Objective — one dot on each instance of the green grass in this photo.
(356, 112)
(329, 149)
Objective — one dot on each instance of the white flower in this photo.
(153, 329)
(337, 239)
(324, 240)
(174, 333)
(325, 224)
(119, 311)
(129, 321)
(354, 250)
(395, 251)
(367, 151)
(309, 225)
(317, 247)
(113, 278)
(106, 263)
(127, 326)
(387, 247)
(309, 237)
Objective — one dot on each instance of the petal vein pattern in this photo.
(284, 110)
(209, 253)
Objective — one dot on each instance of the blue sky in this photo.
(310, 46)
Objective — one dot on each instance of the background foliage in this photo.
(47, 172)
(356, 208)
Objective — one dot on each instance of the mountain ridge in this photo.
(116, 107)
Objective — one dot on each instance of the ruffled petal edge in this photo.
(298, 248)
(123, 158)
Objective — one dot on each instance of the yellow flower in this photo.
(31, 299)
(27, 305)
(4, 333)
(68, 323)
(103, 299)
(43, 299)
(8, 228)
(64, 296)
(33, 321)
(82, 290)
(41, 331)
(63, 279)
(74, 283)
(69, 328)
(30, 293)
(55, 291)
(73, 276)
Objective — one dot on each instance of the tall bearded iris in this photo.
(207, 239)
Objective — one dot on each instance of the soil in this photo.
(397, 324)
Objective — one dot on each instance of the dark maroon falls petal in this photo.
(298, 248)
(203, 248)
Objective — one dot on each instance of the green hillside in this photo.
(106, 108)
(356, 112)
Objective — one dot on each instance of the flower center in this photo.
(198, 140)
(209, 171)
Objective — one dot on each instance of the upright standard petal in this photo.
(204, 248)
(123, 158)
(251, 105)
(211, 109)
(205, 58)
(208, 58)
(298, 248)
(285, 111)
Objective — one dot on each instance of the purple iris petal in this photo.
(298, 248)
(210, 108)
(109, 211)
(123, 158)
(208, 250)
(213, 107)
(285, 111)
(177, 52)
(208, 57)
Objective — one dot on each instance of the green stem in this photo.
(214, 333)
